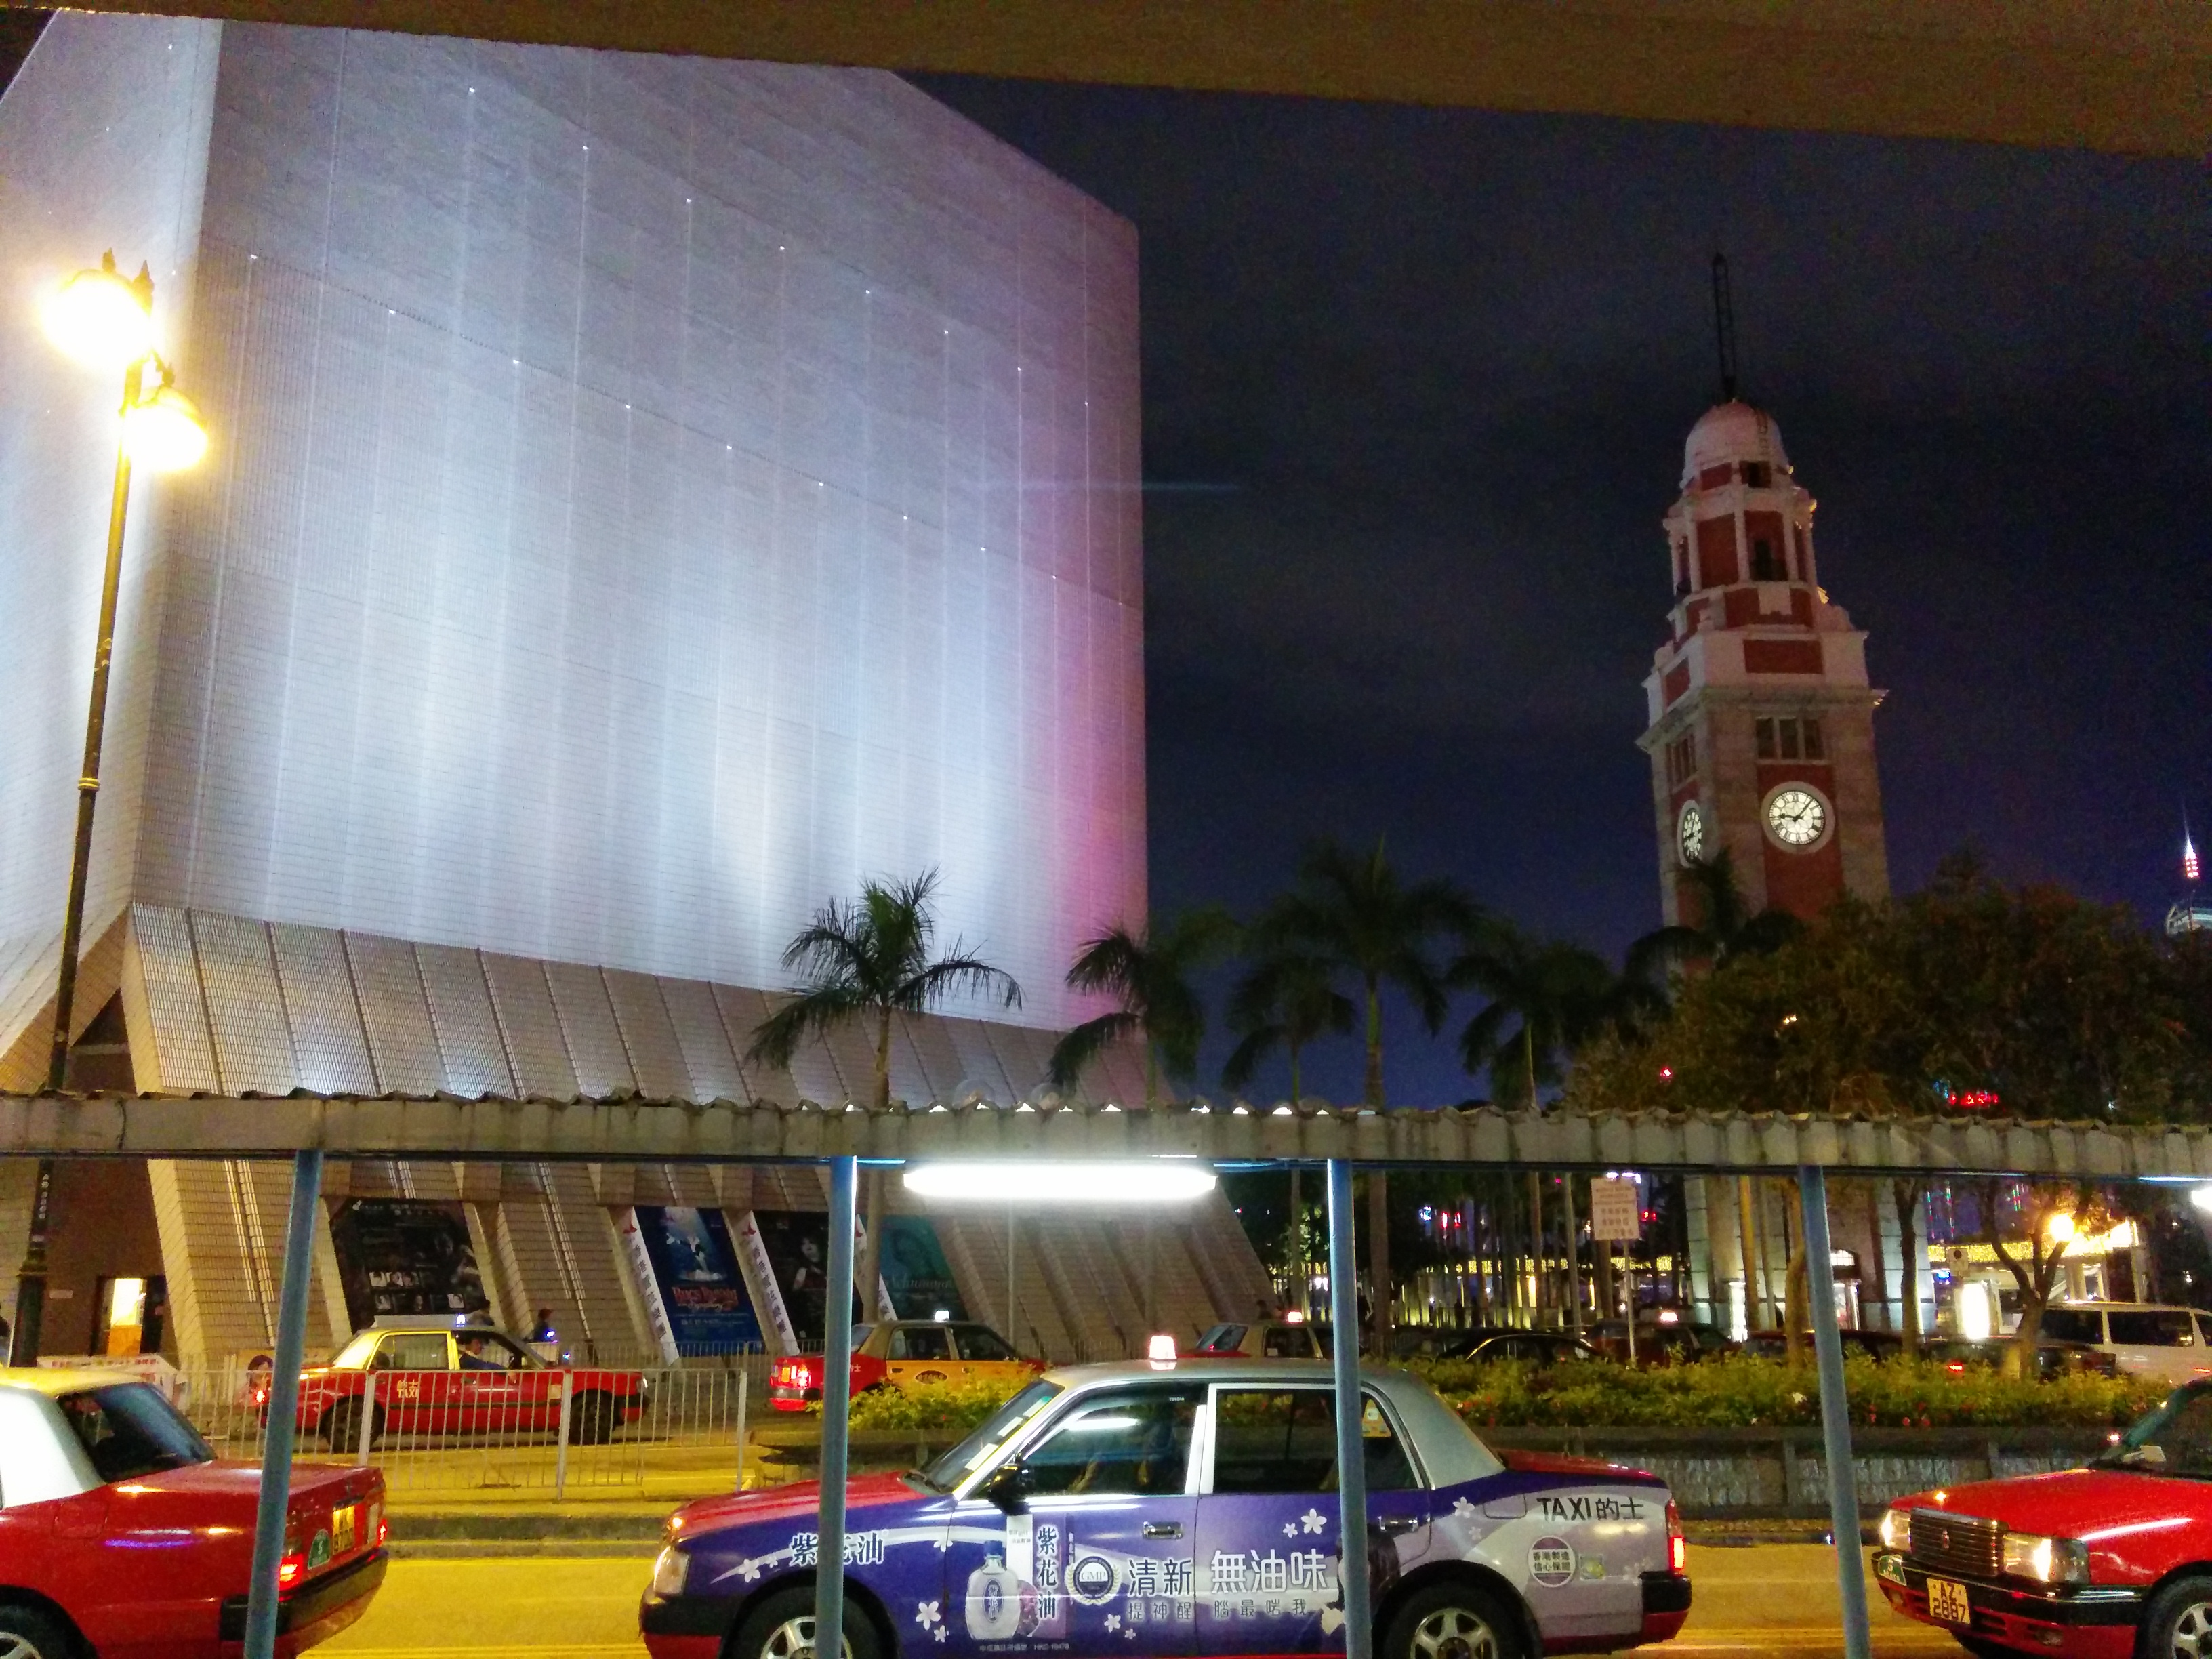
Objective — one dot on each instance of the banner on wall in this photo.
(787, 1258)
(406, 1256)
(917, 1279)
(685, 1267)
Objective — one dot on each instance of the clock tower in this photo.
(1761, 721)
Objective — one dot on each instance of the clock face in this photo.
(1796, 816)
(1690, 833)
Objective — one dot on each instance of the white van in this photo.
(2146, 1339)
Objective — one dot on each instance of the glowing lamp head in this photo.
(100, 318)
(2061, 1229)
(164, 432)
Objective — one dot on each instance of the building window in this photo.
(1758, 474)
(1767, 564)
(1798, 738)
(1681, 760)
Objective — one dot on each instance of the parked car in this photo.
(433, 1378)
(2145, 1338)
(2051, 1358)
(1663, 1338)
(1129, 1509)
(1528, 1347)
(121, 1532)
(900, 1353)
(2114, 1561)
(1263, 1338)
(1871, 1345)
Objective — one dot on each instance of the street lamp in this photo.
(106, 321)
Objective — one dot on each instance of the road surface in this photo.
(1778, 1599)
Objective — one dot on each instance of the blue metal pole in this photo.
(836, 1411)
(261, 1593)
(1835, 1410)
(1351, 1446)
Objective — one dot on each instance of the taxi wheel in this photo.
(33, 1633)
(1456, 1621)
(592, 1420)
(340, 1426)
(782, 1627)
(2177, 1624)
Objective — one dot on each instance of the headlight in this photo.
(669, 1569)
(2047, 1560)
(1896, 1529)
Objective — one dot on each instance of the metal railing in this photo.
(476, 1435)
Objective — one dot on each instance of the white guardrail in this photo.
(482, 1434)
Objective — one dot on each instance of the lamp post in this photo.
(104, 321)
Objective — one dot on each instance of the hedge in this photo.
(1736, 1392)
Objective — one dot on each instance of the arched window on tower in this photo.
(1766, 565)
(1682, 567)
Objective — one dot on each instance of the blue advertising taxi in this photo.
(1189, 1510)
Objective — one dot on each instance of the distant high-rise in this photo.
(1760, 719)
(2192, 912)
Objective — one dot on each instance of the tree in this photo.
(2050, 1214)
(1148, 974)
(1723, 930)
(1356, 913)
(869, 962)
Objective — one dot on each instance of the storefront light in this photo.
(1121, 1181)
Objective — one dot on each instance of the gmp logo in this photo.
(1092, 1579)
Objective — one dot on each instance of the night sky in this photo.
(1416, 384)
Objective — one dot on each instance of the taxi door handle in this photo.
(1162, 1528)
(1390, 1525)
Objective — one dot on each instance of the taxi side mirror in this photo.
(1008, 1488)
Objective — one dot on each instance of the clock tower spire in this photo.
(1760, 717)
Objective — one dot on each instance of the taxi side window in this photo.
(1288, 1342)
(2157, 1327)
(1283, 1440)
(414, 1351)
(2072, 1325)
(1134, 1442)
(981, 1342)
(2184, 1439)
(920, 1342)
(1222, 1339)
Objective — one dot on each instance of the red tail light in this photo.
(1678, 1547)
(292, 1566)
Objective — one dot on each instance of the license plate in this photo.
(1947, 1600)
(344, 1529)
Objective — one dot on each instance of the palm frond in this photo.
(808, 1014)
(1244, 1058)
(960, 974)
(1074, 1053)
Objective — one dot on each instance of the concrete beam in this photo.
(628, 1130)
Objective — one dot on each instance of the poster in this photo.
(916, 1277)
(788, 1253)
(686, 1271)
(405, 1255)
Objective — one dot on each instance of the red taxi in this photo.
(122, 1534)
(434, 1378)
(2114, 1561)
(899, 1353)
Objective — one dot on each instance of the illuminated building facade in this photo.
(648, 496)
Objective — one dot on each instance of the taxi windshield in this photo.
(980, 1447)
(354, 1357)
(2174, 1439)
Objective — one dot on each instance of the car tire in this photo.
(35, 1633)
(1453, 1621)
(2179, 1621)
(783, 1624)
(341, 1427)
(591, 1419)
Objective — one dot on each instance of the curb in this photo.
(488, 1549)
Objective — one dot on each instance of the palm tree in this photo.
(1559, 995)
(1724, 929)
(1148, 973)
(1286, 1000)
(1355, 913)
(871, 960)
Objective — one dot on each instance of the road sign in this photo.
(1616, 1208)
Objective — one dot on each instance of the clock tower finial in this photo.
(1761, 717)
(1724, 327)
